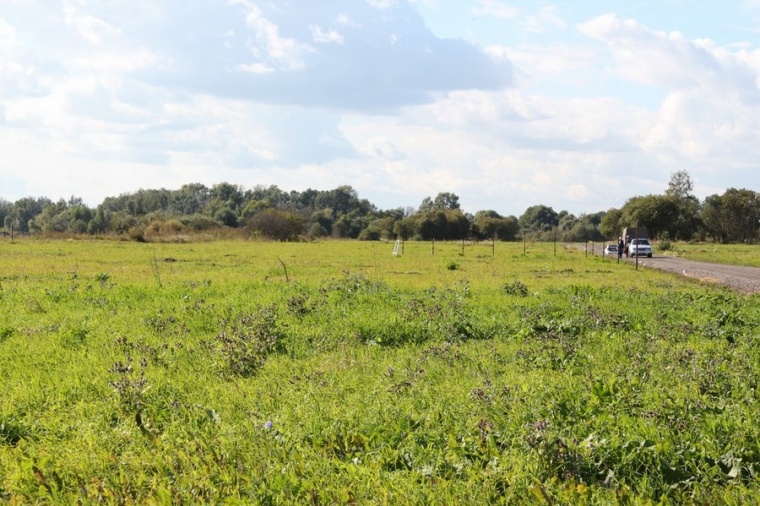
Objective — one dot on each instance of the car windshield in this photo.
(644, 242)
(612, 248)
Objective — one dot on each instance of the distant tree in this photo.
(539, 218)
(277, 225)
(268, 196)
(342, 200)
(680, 185)
(405, 228)
(226, 216)
(441, 225)
(190, 199)
(442, 201)
(446, 200)
(26, 209)
(426, 205)
(733, 216)
(687, 222)
(229, 194)
(324, 219)
(6, 208)
(371, 233)
(611, 225)
(658, 213)
(490, 224)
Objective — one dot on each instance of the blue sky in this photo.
(576, 105)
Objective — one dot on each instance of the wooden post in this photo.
(637, 247)
(555, 241)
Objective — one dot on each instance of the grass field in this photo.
(335, 373)
(732, 254)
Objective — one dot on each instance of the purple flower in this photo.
(268, 425)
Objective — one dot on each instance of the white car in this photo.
(611, 250)
(640, 248)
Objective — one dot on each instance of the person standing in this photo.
(621, 245)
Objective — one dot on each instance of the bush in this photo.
(277, 225)
(515, 288)
(136, 234)
(247, 342)
(370, 234)
(199, 222)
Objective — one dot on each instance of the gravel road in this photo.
(742, 279)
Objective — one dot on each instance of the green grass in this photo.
(730, 254)
(333, 372)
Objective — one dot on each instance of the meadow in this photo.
(335, 373)
(731, 254)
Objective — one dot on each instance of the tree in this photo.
(539, 218)
(190, 199)
(680, 185)
(686, 223)
(489, 224)
(404, 228)
(658, 213)
(611, 225)
(6, 208)
(278, 225)
(442, 201)
(446, 200)
(342, 200)
(26, 209)
(733, 216)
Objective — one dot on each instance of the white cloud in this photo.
(548, 18)
(7, 36)
(381, 4)
(316, 94)
(653, 57)
(343, 19)
(496, 9)
(90, 28)
(321, 36)
(286, 52)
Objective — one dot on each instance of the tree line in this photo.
(268, 211)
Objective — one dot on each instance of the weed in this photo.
(247, 342)
(12, 431)
(517, 288)
(130, 390)
(6, 332)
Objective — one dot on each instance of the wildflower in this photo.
(268, 425)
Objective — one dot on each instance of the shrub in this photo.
(370, 234)
(246, 343)
(515, 288)
(136, 234)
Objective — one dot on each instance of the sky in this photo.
(575, 105)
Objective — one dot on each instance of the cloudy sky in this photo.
(577, 105)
